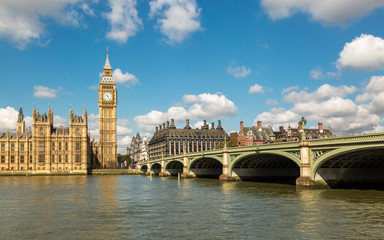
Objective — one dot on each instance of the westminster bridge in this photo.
(341, 160)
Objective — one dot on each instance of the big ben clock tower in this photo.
(107, 118)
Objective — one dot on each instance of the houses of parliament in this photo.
(46, 149)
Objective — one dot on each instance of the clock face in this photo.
(107, 96)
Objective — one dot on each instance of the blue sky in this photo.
(269, 60)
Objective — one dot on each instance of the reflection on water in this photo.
(132, 207)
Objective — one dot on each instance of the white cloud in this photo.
(289, 89)
(326, 91)
(330, 105)
(59, 121)
(122, 144)
(278, 117)
(238, 71)
(177, 19)
(316, 73)
(45, 92)
(272, 102)
(122, 127)
(124, 78)
(198, 124)
(202, 106)
(256, 89)
(373, 95)
(8, 118)
(21, 22)
(123, 19)
(326, 11)
(363, 53)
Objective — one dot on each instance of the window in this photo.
(59, 146)
(12, 147)
(3, 147)
(59, 158)
(77, 131)
(30, 146)
(66, 158)
(53, 158)
(30, 159)
(2, 159)
(78, 146)
(41, 158)
(53, 146)
(77, 158)
(41, 146)
(22, 147)
(41, 130)
(12, 159)
(66, 146)
(22, 159)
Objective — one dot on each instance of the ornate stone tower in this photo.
(107, 118)
(20, 125)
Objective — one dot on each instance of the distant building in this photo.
(259, 134)
(138, 150)
(255, 135)
(294, 134)
(169, 140)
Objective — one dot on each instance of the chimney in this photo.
(212, 125)
(172, 126)
(167, 124)
(157, 129)
(160, 127)
(281, 129)
(187, 124)
(320, 126)
(219, 127)
(241, 125)
(205, 126)
(163, 125)
(259, 125)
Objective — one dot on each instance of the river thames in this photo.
(133, 207)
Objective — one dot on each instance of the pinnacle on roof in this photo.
(20, 117)
(107, 65)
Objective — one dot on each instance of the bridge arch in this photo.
(144, 168)
(266, 165)
(206, 166)
(174, 167)
(350, 164)
(155, 168)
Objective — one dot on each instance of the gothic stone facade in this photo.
(45, 148)
(138, 150)
(169, 140)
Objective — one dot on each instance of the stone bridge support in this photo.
(305, 179)
(185, 173)
(226, 175)
(162, 171)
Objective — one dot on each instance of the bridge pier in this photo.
(305, 179)
(226, 175)
(162, 169)
(185, 173)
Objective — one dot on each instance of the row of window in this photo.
(41, 146)
(41, 158)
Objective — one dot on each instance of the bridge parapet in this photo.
(370, 137)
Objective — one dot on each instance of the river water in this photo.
(133, 207)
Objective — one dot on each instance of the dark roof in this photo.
(188, 133)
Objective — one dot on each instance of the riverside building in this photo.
(170, 141)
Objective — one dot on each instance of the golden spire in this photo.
(107, 71)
